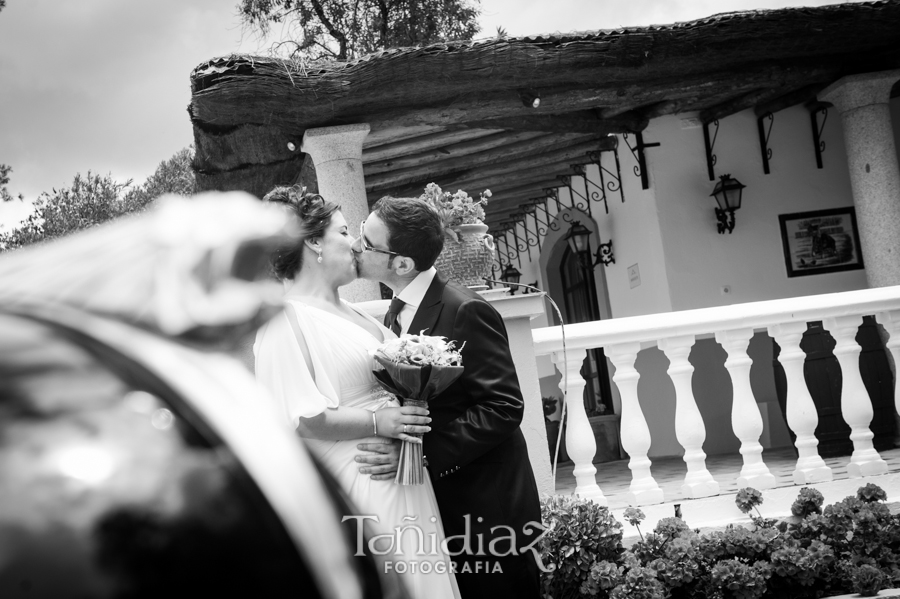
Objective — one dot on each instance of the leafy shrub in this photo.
(580, 536)
(850, 546)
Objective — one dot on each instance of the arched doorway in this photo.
(580, 299)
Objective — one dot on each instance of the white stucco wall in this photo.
(669, 231)
(750, 261)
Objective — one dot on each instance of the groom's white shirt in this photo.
(412, 295)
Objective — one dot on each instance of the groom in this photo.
(475, 452)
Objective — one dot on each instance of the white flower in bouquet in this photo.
(420, 350)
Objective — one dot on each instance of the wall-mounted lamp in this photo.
(510, 274)
(579, 240)
(728, 196)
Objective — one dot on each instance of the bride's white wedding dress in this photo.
(340, 354)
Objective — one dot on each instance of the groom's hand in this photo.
(381, 459)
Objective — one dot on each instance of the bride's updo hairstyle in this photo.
(314, 214)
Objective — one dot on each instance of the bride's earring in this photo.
(319, 259)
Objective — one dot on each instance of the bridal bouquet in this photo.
(416, 368)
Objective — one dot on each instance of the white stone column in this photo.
(802, 416)
(635, 433)
(856, 406)
(689, 428)
(580, 441)
(337, 155)
(746, 420)
(862, 101)
(518, 311)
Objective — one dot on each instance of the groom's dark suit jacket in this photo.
(475, 451)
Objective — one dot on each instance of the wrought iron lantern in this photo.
(728, 197)
(579, 240)
(510, 274)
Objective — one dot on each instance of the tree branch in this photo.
(332, 30)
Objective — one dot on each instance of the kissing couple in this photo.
(479, 501)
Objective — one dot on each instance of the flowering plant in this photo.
(456, 208)
(416, 368)
(852, 545)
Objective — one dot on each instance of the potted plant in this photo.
(468, 248)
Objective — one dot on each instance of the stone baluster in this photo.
(580, 442)
(802, 417)
(891, 323)
(856, 406)
(745, 417)
(635, 434)
(689, 428)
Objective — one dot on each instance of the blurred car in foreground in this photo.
(135, 461)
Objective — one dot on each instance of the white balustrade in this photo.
(801, 410)
(674, 332)
(891, 323)
(856, 406)
(746, 420)
(580, 443)
(634, 432)
(689, 428)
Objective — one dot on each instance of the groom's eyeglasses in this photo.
(364, 244)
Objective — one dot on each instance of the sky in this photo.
(103, 85)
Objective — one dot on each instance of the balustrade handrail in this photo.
(755, 315)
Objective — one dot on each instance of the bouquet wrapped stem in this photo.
(416, 368)
(411, 469)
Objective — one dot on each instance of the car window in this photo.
(110, 486)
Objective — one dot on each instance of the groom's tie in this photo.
(392, 318)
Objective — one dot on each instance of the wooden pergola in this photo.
(515, 114)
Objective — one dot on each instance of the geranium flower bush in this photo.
(852, 546)
(456, 208)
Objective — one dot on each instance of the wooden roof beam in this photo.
(422, 143)
(737, 104)
(527, 191)
(582, 121)
(792, 98)
(530, 163)
(531, 151)
(420, 156)
(499, 181)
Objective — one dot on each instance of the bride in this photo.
(315, 360)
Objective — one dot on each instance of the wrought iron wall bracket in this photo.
(551, 194)
(615, 184)
(764, 139)
(531, 208)
(522, 217)
(511, 251)
(710, 145)
(604, 254)
(638, 151)
(725, 220)
(567, 181)
(521, 246)
(817, 130)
